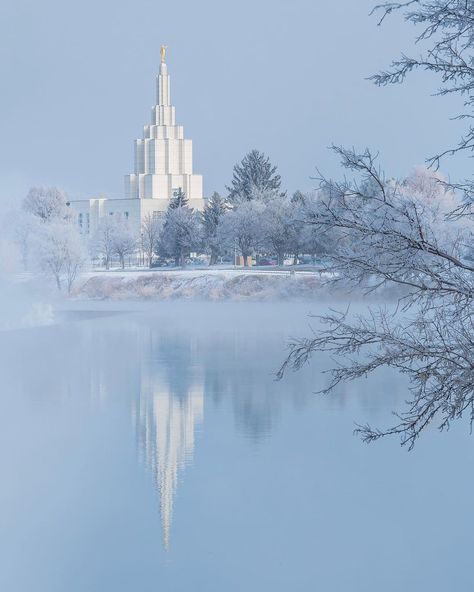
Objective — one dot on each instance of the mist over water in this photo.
(21, 307)
(146, 447)
(26, 299)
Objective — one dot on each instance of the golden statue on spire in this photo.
(163, 53)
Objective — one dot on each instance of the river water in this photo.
(150, 448)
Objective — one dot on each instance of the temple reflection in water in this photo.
(168, 410)
(164, 372)
(165, 429)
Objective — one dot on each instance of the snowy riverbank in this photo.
(199, 285)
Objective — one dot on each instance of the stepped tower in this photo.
(163, 157)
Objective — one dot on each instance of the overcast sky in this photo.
(288, 78)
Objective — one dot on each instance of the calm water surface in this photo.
(151, 449)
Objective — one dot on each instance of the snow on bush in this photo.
(163, 286)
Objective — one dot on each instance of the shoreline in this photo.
(213, 285)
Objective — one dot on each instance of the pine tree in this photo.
(181, 234)
(215, 209)
(254, 175)
(298, 198)
(179, 200)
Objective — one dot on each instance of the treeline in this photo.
(255, 218)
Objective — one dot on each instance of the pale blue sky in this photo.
(288, 78)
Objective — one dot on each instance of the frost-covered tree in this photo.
(46, 203)
(414, 236)
(20, 226)
(445, 38)
(253, 175)
(181, 234)
(298, 198)
(102, 242)
(212, 217)
(296, 239)
(179, 200)
(265, 196)
(313, 240)
(60, 252)
(124, 239)
(150, 235)
(392, 233)
(113, 236)
(277, 227)
(242, 228)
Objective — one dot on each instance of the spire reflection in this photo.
(167, 414)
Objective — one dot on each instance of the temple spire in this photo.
(163, 49)
(163, 90)
(163, 157)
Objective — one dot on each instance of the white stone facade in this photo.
(163, 157)
(163, 165)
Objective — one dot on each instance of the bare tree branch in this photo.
(399, 233)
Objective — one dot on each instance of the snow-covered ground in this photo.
(201, 284)
(29, 292)
(200, 270)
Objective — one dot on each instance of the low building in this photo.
(163, 166)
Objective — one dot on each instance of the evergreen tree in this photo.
(215, 209)
(298, 198)
(254, 175)
(179, 200)
(181, 233)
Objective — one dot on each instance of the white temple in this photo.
(163, 165)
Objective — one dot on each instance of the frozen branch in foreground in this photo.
(413, 234)
(392, 232)
(446, 33)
